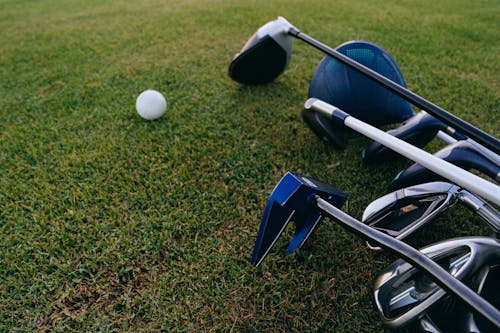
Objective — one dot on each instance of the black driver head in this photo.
(265, 55)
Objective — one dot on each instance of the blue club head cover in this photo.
(356, 94)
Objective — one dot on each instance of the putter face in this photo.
(293, 200)
(265, 55)
(403, 294)
(404, 211)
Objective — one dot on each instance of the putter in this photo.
(404, 211)
(463, 154)
(267, 53)
(290, 192)
(306, 201)
(464, 179)
(404, 294)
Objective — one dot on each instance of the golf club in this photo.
(307, 201)
(463, 154)
(406, 210)
(336, 84)
(466, 180)
(449, 316)
(418, 130)
(405, 295)
(267, 53)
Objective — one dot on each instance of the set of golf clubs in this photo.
(417, 290)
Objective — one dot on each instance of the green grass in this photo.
(112, 223)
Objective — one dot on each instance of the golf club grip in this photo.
(416, 258)
(465, 179)
(471, 131)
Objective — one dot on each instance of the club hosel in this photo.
(478, 206)
(335, 114)
(293, 31)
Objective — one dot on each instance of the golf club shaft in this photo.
(445, 137)
(415, 257)
(448, 139)
(465, 179)
(471, 131)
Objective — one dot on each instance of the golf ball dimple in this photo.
(151, 104)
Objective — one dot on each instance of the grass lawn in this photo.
(112, 223)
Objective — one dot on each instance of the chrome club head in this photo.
(402, 212)
(404, 295)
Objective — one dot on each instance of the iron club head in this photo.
(403, 294)
(402, 212)
(448, 315)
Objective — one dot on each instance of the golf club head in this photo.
(404, 211)
(418, 130)
(265, 55)
(337, 84)
(447, 315)
(291, 200)
(404, 295)
(463, 154)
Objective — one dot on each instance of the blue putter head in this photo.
(293, 200)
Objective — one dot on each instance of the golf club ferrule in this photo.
(293, 31)
(335, 114)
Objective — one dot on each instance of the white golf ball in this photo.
(151, 105)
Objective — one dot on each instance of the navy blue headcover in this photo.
(356, 94)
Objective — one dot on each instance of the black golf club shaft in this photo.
(473, 132)
(415, 257)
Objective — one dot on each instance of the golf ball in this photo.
(151, 105)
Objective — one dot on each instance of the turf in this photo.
(112, 223)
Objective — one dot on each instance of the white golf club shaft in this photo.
(465, 179)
